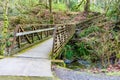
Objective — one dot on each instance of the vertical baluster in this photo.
(64, 33)
(19, 40)
(48, 31)
(41, 35)
(58, 33)
(33, 35)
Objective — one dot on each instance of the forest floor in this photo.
(67, 74)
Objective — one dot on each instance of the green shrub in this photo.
(114, 10)
(59, 7)
(96, 8)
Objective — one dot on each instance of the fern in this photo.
(68, 52)
(89, 30)
(81, 49)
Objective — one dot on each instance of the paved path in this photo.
(32, 63)
(65, 74)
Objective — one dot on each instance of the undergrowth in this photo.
(97, 44)
(89, 30)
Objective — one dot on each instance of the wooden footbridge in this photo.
(29, 62)
(34, 62)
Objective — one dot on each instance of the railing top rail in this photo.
(38, 30)
(31, 32)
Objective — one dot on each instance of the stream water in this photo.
(82, 64)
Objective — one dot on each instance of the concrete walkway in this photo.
(33, 64)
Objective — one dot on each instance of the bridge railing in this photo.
(61, 36)
(28, 35)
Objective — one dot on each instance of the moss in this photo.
(24, 78)
(113, 73)
(1, 57)
(58, 62)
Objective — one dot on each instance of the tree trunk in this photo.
(87, 6)
(50, 9)
(4, 28)
(67, 3)
(50, 5)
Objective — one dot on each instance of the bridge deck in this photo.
(32, 63)
(40, 51)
